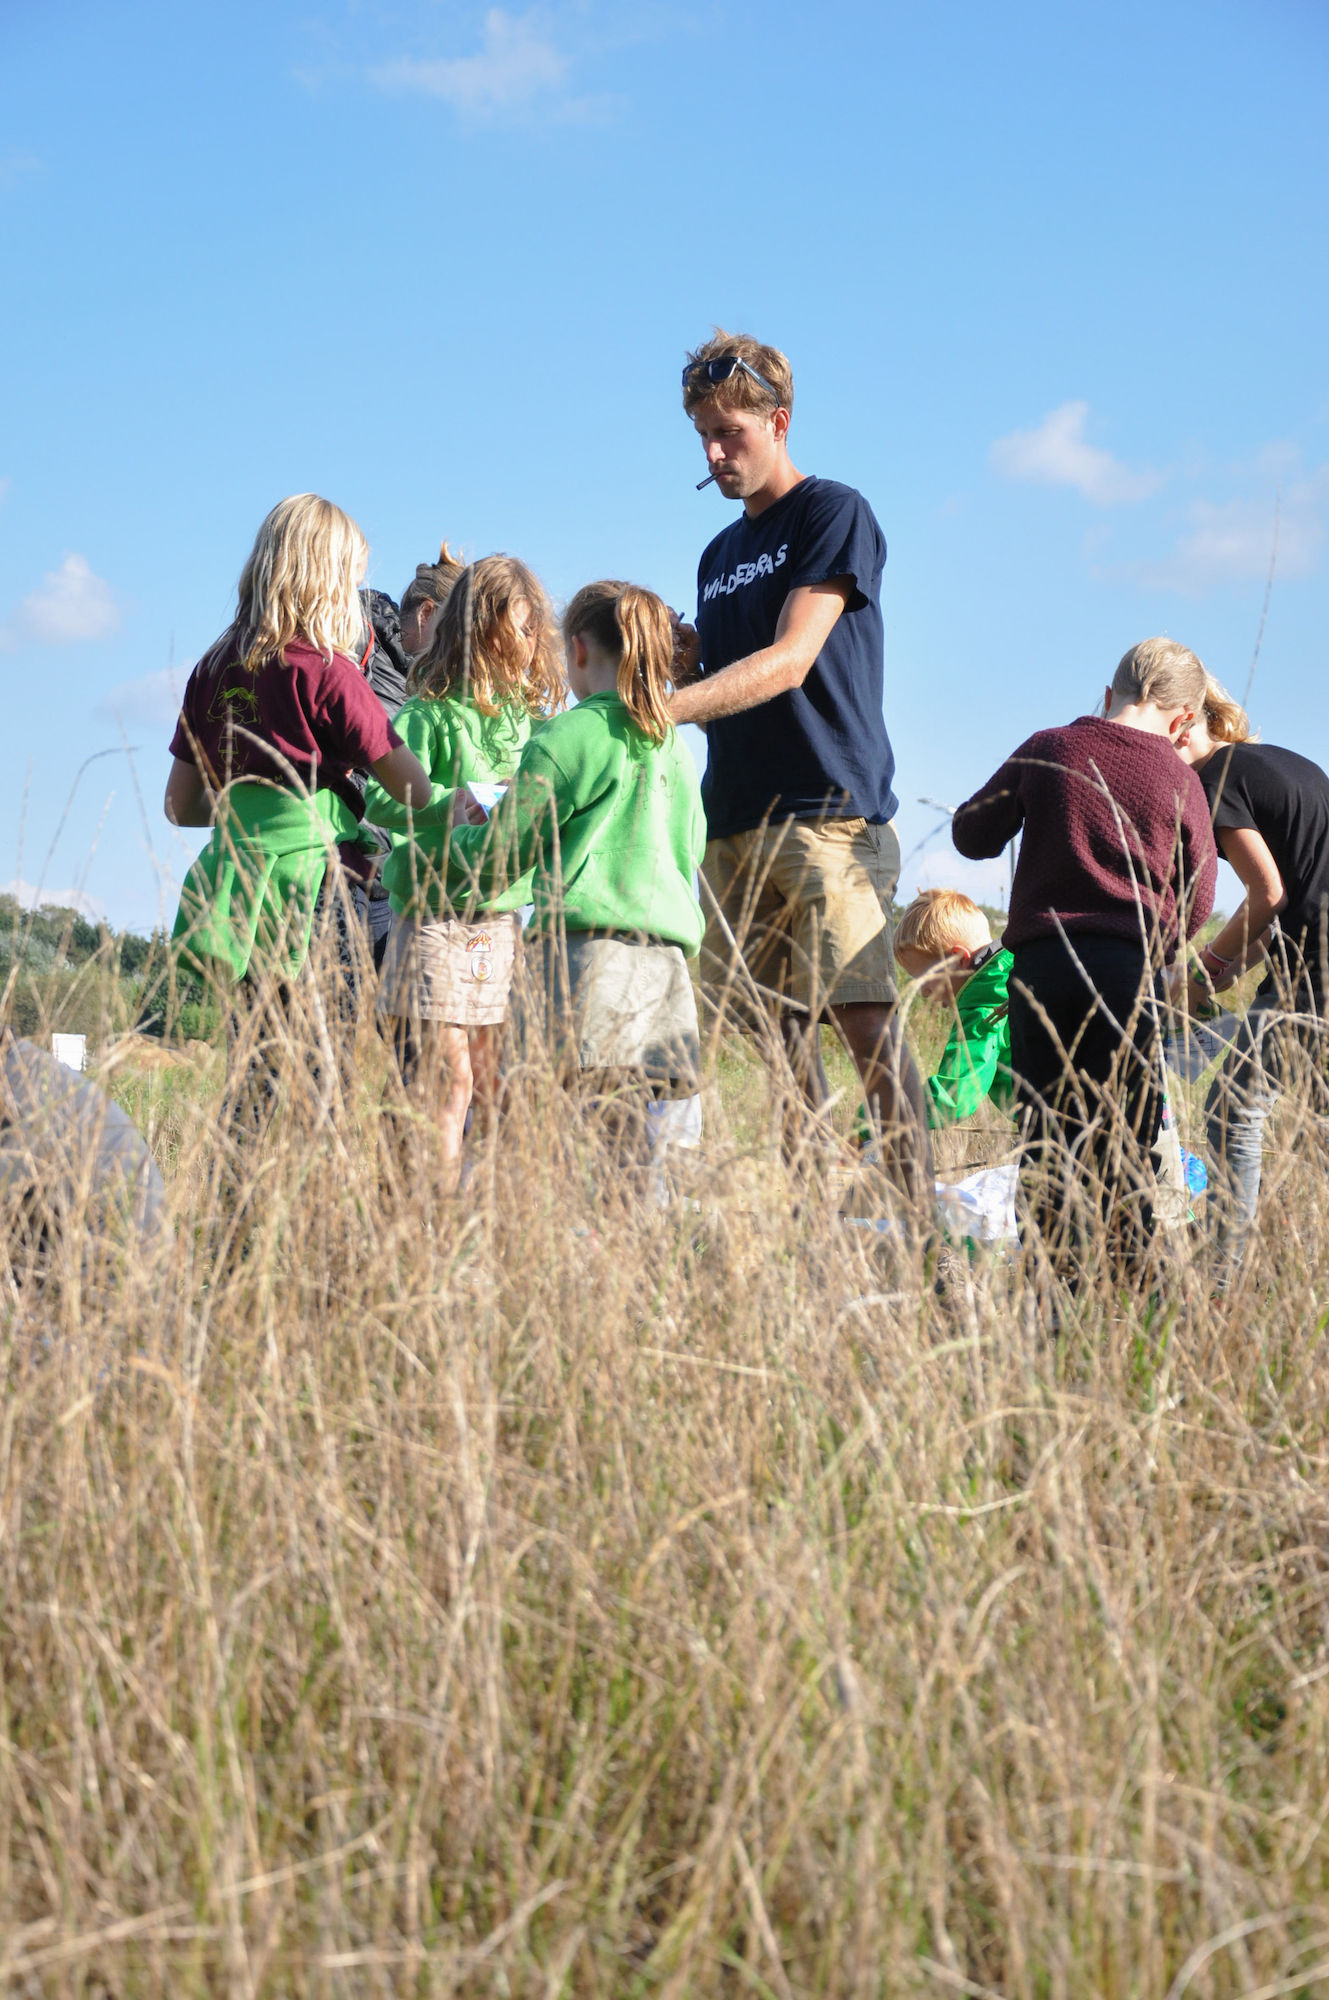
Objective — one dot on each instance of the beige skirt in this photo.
(453, 972)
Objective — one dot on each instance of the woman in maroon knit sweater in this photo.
(1116, 865)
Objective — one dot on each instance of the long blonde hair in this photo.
(301, 581)
(632, 626)
(1225, 719)
(477, 650)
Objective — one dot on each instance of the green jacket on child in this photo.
(606, 825)
(976, 1062)
(458, 744)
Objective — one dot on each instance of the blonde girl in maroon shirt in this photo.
(276, 717)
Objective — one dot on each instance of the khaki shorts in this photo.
(602, 1003)
(806, 904)
(453, 972)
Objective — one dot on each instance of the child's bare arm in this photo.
(188, 801)
(403, 777)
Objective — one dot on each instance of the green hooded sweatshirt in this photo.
(976, 1061)
(458, 745)
(251, 893)
(607, 823)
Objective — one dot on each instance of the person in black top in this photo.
(784, 671)
(1271, 817)
(392, 638)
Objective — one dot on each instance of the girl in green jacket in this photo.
(490, 668)
(604, 821)
(276, 719)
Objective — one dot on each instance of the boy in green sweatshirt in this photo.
(944, 941)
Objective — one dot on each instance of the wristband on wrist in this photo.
(1210, 959)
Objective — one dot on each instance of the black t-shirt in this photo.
(1285, 798)
(820, 750)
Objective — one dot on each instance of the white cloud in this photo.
(70, 606)
(151, 698)
(518, 69)
(1056, 453)
(1233, 541)
(29, 897)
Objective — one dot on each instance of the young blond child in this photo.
(488, 671)
(276, 722)
(944, 942)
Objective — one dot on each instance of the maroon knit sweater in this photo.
(1106, 810)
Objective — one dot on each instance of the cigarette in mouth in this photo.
(708, 481)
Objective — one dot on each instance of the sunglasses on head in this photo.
(723, 367)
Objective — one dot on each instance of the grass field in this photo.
(531, 1593)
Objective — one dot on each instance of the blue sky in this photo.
(1053, 281)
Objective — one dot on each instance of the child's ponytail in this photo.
(432, 582)
(632, 626)
(648, 655)
(1225, 719)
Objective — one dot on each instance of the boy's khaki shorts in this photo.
(806, 903)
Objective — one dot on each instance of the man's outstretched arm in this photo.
(805, 625)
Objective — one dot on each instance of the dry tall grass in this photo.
(533, 1593)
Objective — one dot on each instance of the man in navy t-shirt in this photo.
(784, 672)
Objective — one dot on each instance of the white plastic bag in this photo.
(981, 1206)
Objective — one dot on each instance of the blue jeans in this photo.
(1259, 1065)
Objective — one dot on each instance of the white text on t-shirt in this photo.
(746, 573)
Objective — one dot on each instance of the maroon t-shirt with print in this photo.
(300, 717)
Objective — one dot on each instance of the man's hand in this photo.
(806, 623)
(467, 809)
(687, 651)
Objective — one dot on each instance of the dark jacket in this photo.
(386, 672)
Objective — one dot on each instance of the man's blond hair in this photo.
(1163, 672)
(940, 922)
(738, 391)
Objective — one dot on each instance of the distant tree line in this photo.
(57, 939)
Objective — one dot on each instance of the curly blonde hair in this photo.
(301, 581)
(478, 650)
(1225, 719)
(632, 626)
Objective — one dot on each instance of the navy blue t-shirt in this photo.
(820, 750)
